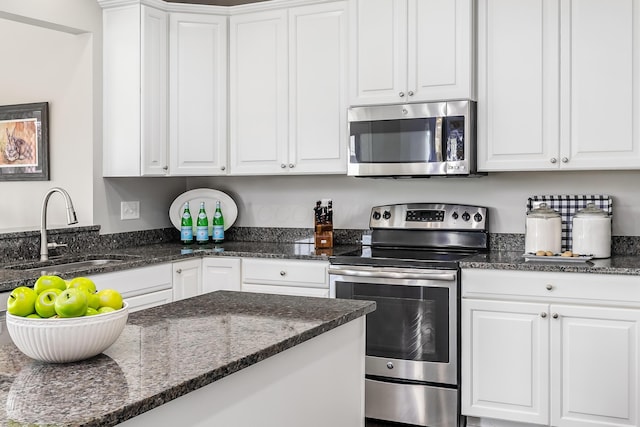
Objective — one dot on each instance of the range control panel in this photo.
(420, 216)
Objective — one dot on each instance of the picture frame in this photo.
(24, 142)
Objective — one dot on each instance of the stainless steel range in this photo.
(411, 269)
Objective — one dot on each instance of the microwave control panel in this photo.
(429, 216)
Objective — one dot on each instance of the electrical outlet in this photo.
(129, 210)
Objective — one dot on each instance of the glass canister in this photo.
(591, 231)
(543, 231)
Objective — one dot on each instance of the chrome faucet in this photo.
(71, 219)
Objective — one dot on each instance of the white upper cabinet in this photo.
(135, 91)
(288, 90)
(198, 94)
(558, 85)
(411, 51)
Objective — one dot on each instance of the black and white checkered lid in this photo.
(567, 206)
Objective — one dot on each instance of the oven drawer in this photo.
(411, 403)
(310, 274)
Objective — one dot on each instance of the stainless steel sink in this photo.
(66, 265)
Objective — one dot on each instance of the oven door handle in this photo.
(386, 273)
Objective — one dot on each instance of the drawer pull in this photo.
(555, 315)
(283, 273)
(179, 271)
(543, 314)
(549, 287)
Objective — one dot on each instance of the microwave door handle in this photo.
(438, 139)
(352, 145)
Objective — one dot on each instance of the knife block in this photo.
(323, 235)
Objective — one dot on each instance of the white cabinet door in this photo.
(187, 278)
(594, 366)
(411, 50)
(600, 84)
(258, 92)
(553, 94)
(198, 94)
(318, 89)
(378, 41)
(518, 84)
(288, 91)
(134, 91)
(220, 273)
(505, 360)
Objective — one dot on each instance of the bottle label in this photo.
(202, 233)
(218, 232)
(186, 215)
(186, 234)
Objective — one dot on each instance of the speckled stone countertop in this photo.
(163, 353)
(140, 256)
(511, 260)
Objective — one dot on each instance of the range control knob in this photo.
(466, 216)
(477, 217)
(386, 215)
(376, 215)
(454, 215)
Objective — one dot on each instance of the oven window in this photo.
(395, 141)
(410, 322)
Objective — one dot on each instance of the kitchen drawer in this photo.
(285, 272)
(136, 281)
(286, 290)
(149, 300)
(543, 285)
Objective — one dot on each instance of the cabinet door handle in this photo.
(553, 160)
(410, 93)
(283, 166)
(283, 273)
(291, 165)
(543, 314)
(555, 315)
(222, 168)
(549, 287)
(165, 168)
(401, 94)
(179, 271)
(565, 160)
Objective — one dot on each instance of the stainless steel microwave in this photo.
(413, 140)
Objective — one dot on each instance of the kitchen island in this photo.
(223, 358)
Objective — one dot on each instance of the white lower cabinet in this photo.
(142, 288)
(220, 273)
(286, 277)
(187, 278)
(557, 349)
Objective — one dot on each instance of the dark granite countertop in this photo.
(140, 256)
(163, 353)
(505, 260)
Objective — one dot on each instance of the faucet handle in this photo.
(53, 245)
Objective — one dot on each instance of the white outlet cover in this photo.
(129, 210)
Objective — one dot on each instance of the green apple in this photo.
(110, 298)
(71, 302)
(33, 316)
(22, 301)
(45, 302)
(94, 301)
(83, 283)
(106, 309)
(49, 282)
(91, 311)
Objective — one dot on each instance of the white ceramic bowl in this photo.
(63, 340)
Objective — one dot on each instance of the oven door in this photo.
(412, 335)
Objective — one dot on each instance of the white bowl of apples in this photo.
(52, 324)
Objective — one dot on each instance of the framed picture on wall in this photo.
(24, 142)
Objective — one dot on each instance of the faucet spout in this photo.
(71, 219)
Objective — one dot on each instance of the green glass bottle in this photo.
(186, 226)
(202, 226)
(218, 224)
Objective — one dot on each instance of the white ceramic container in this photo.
(68, 339)
(543, 231)
(591, 232)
